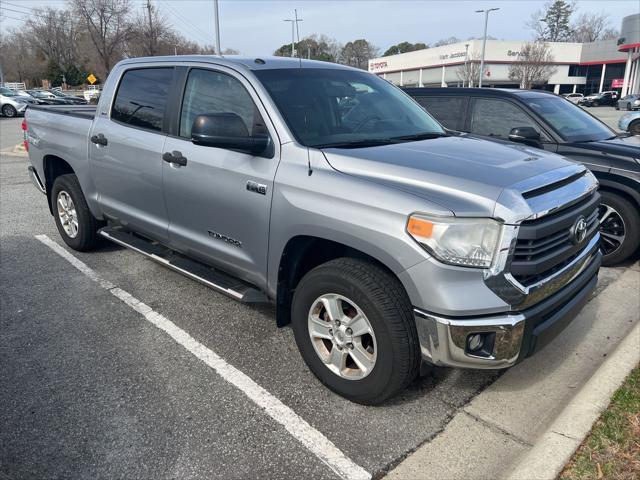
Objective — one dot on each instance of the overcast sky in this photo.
(256, 27)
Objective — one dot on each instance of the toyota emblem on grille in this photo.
(579, 230)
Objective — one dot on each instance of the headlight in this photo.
(469, 242)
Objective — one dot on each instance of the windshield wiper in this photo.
(420, 136)
(373, 142)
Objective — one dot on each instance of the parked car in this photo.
(383, 239)
(573, 97)
(598, 99)
(92, 94)
(47, 98)
(629, 102)
(12, 104)
(542, 120)
(69, 98)
(630, 122)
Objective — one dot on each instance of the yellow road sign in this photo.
(92, 78)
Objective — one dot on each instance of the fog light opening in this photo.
(480, 344)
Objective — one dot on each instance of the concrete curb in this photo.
(557, 445)
(528, 423)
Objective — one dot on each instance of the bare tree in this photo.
(446, 41)
(590, 27)
(534, 65)
(108, 25)
(469, 71)
(358, 53)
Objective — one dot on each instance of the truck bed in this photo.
(83, 111)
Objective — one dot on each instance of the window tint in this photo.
(214, 92)
(496, 118)
(142, 97)
(449, 111)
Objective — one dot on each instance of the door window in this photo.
(208, 91)
(449, 111)
(496, 118)
(142, 97)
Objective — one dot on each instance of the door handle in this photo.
(99, 139)
(174, 157)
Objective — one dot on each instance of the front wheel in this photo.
(9, 111)
(634, 127)
(629, 107)
(76, 224)
(619, 228)
(354, 327)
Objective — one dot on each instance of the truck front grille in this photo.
(546, 245)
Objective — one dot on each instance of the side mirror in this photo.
(227, 130)
(527, 135)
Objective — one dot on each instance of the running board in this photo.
(220, 282)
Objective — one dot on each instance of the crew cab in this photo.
(542, 120)
(387, 243)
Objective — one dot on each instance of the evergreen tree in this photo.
(556, 22)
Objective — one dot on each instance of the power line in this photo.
(11, 10)
(12, 18)
(201, 36)
(18, 6)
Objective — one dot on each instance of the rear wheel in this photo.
(76, 224)
(634, 127)
(629, 106)
(619, 228)
(354, 327)
(9, 111)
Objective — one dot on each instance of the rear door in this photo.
(126, 151)
(219, 201)
(494, 118)
(449, 110)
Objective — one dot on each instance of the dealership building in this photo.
(579, 67)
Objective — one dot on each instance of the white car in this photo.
(573, 97)
(12, 104)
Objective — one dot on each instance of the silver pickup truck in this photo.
(388, 243)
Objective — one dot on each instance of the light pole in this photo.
(216, 19)
(294, 25)
(484, 42)
(466, 65)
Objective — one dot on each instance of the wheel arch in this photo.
(619, 185)
(53, 167)
(303, 253)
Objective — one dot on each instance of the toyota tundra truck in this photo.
(388, 243)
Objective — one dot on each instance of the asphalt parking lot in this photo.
(92, 389)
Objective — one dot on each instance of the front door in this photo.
(219, 200)
(126, 152)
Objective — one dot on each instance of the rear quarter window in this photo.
(449, 111)
(142, 97)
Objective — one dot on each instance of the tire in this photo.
(634, 127)
(627, 223)
(629, 107)
(617, 106)
(86, 232)
(381, 298)
(9, 111)
(595, 104)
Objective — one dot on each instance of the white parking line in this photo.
(311, 438)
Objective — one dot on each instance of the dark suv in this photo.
(598, 99)
(543, 120)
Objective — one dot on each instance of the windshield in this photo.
(8, 93)
(57, 94)
(345, 108)
(571, 122)
(35, 93)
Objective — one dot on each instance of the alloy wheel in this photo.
(342, 336)
(612, 229)
(67, 214)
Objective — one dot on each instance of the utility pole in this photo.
(467, 76)
(152, 49)
(217, 22)
(484, 42)
(294, 26)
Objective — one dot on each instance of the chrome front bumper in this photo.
(514, 335)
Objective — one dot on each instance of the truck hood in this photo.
(465, 175)
(623, 146)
